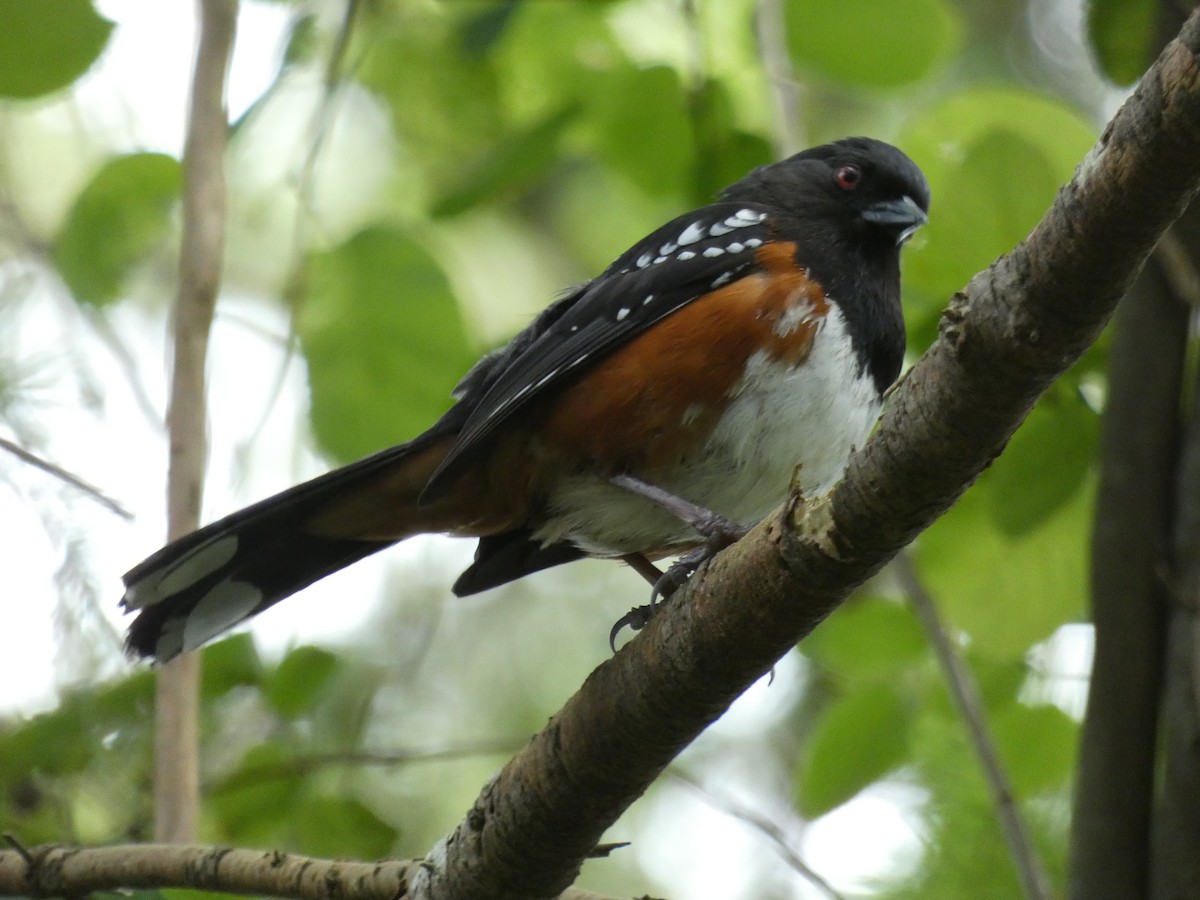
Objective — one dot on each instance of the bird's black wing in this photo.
(687, 258)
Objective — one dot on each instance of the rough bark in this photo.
(1114, 790)
(1131, 795)
(1003, 340)
(1175, 862)
(57, 871)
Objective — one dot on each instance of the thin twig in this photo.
(62, 474)
(764, 826)
(303, 765)
(11, 840)
(177, 779)
(966, 697)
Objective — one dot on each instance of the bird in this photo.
(659, 409)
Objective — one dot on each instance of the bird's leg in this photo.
(718, 532)
(643, 567)
(710, 524)
(637, 617)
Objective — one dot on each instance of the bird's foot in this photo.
(718, 532)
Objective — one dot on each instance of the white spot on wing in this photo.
(644, 260)
(649, 298)
(692, 233)
(723, 279)
(622, 313)
(659, 259)
(714, 251)
(749, 216)
(668, 248)
(736, 247)
(753, 242)
(719, 228)
(685, 255)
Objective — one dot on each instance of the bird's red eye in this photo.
(848, 177)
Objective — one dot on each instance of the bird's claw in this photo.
(668, 583)
(635, 620)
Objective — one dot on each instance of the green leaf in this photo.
(341, 827)
(249, 804)
(987, 204)
(1037, 745)
(641, 127)
(1122, 34)
(130, 700)
(483, 29)
(724, 152)
(514, 163)
(445, 101)
(868, 638)
(384, 341)
(303, 41)
(1007, 592)
(861, 43)
(1045, 463)
(857, 740)
(44, 46)
(229, 663)
(56, 743)
(299, 680)
(119, 216)
(983, 201)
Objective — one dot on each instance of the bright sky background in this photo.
(137, 94)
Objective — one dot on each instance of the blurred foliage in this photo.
(1122, 33)
(119, 216)
(46, 46)
(476, 157)
(378, 320)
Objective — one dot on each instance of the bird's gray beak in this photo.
(903, 216)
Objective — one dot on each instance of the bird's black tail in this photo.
(210, 580)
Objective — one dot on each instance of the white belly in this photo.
(782, 420)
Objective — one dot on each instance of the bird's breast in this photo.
(784, 415)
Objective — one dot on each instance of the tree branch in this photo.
(28, 456)
(1114, 791)
(1003, 340)
(1175, 830)
(176, 776)
(59, 871)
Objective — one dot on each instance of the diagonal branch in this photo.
(1004, 339)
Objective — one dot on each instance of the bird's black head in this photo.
(847, 207)
(860, 188)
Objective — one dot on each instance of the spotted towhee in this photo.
(635, 418)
